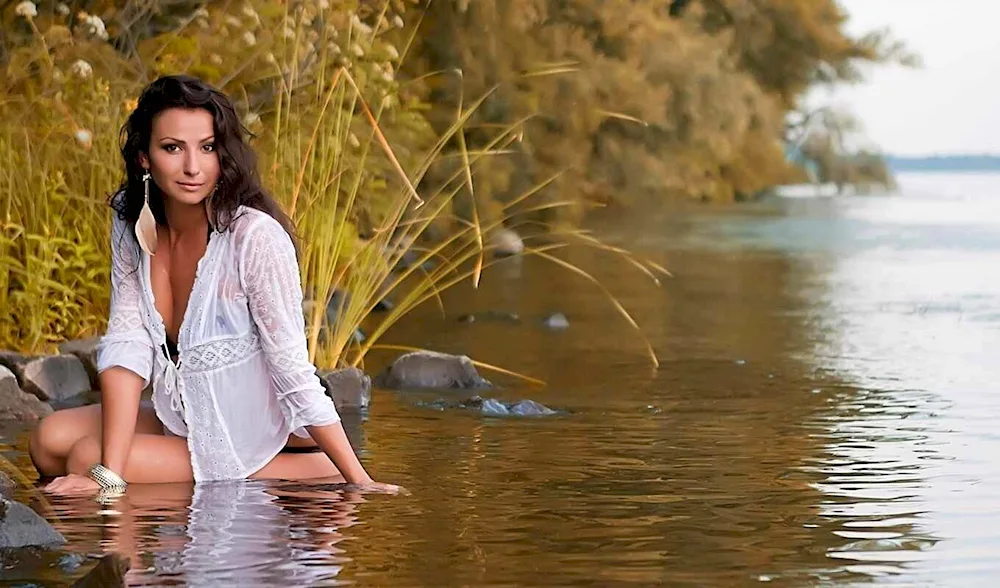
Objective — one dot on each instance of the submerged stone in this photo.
(22, 527)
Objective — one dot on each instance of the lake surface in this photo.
(825, 413)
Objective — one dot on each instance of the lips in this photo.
(190, 187)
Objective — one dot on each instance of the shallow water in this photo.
(824, 413)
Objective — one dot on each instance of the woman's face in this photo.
(182, 158)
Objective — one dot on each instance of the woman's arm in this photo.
(124, 361)
(333, 441)
(269, 272)
(121, 390)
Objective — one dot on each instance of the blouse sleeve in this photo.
(269, 271)
(126, 342)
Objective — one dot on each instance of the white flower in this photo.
(250, 13)
(94, 26)
(252, 119)
(362, 27)
(270, 58)
(387, 74)
(215, 59)
(249, 38)
(201, 13)
(26, 9)
(81, 69)
(289, 33)
(57, 75)
(391, 50)
(353, 140)
(233, 22)
(357, 50)
(203, 24)
(84, 136)
(308, 15)
(333, 48)
(62, 9)
(398, 21)
(332, 31)
(323, 4)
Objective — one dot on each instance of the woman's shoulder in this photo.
(251, 225)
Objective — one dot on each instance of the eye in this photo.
(170, 148)
(209, 147)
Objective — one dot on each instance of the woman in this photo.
(206, 304)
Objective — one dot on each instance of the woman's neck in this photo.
(185, 219)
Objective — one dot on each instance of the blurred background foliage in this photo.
(352, 104)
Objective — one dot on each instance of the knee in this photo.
(50, 440)
(84, 453)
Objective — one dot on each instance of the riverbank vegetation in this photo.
(405, 127)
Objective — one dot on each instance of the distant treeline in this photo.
(945, 163)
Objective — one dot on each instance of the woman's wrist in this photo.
(355, 473)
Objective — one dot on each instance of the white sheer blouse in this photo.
(243, 380)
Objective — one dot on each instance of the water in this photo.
(824, 414)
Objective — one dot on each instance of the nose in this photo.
(191, 164)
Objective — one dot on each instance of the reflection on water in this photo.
(823, 414)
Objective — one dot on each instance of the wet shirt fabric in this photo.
(242, 381)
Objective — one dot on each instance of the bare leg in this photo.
(153, 459)
(299, 466)
(54, 437)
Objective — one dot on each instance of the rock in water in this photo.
(491, 406)
(556, 320)
(58, 377)
(17, 405)
(530, 408)
(349, 387)
(22, 527)
(506, 243)
(86, 351)
(430, 369)
(14, 361)
(6, 486)
(494, 407)
(109, 571)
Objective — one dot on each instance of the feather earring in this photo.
(145, 227)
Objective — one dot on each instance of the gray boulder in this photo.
(349, 387)
(86, 351)
(22, 527)
(6, 486)
(430, 369)
(15, 404)
(57, 377)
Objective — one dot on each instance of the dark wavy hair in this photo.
(239, 181)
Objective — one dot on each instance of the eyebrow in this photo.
(208, 138)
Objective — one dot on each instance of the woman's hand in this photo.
(72, 484)
(376, 487)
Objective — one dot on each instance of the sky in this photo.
(951, 104)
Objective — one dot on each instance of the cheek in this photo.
(161, 166)
(211, 167)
